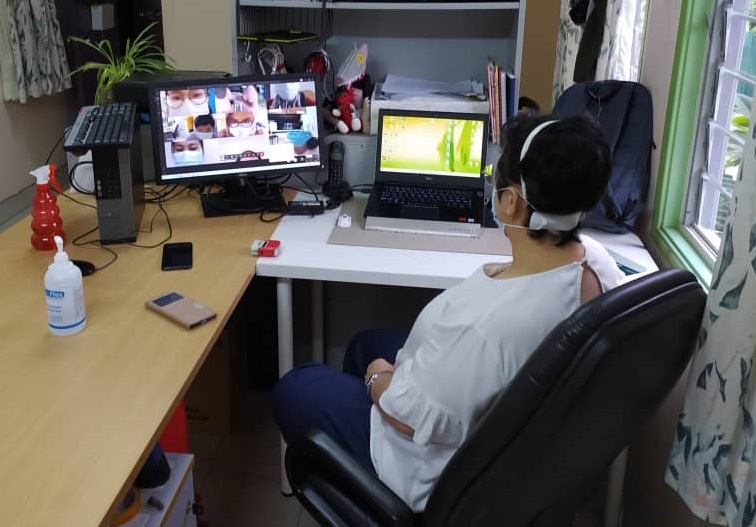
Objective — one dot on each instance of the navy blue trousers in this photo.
(315, 395)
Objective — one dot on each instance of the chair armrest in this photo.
(336, 489)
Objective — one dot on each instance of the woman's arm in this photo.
(380, 385)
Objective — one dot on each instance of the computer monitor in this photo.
(244, 133)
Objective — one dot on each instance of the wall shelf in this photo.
(388, 6)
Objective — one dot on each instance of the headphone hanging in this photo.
(270, 59)
(318, 62)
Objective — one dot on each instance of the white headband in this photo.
(532, 135)
(545, 220)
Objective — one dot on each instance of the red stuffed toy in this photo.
(344, 109)
(348, 98)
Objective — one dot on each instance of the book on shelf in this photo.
(501, 96)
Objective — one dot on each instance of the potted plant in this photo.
(141, 55)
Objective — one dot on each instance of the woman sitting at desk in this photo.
(425, 393)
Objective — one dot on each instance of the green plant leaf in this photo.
(740, 120)
(140, 54)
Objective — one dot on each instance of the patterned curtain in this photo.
(568, 41)
(621, 44)
(712, 464)
(32, 53)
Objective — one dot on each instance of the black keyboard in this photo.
(102, 126)
(427, 196)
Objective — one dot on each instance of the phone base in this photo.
(337, 193)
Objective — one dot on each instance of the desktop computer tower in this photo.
(119, 190)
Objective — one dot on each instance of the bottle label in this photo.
(65, 307)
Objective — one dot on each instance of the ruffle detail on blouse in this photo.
(431, 423)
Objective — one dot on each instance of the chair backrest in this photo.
(572, 407)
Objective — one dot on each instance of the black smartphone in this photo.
(177, 256)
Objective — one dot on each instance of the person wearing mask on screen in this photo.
(188, 150)
(242, 124)
(204, 126)
(404, 404)
(187, 102)
(288, 95)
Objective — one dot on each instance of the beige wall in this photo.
(656, 71)
(27, 133)
(539, 43)
(649, 502)
(199, 33)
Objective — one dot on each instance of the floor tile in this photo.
(254, 446)
(250, 453)
(233, 500)
(254, 411)
(205, 448)
(306, 520)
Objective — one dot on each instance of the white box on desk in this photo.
(359, 156)
(439, 102)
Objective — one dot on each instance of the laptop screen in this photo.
(432, 144)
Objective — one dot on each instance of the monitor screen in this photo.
(237, 126)
(427, 143)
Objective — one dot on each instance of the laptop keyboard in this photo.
(427, 197)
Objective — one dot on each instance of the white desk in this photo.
(306, 255)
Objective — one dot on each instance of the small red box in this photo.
(265, 247)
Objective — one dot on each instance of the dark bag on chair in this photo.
(624, 110)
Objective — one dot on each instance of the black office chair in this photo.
(549, 436)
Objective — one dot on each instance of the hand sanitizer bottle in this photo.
(65, 294)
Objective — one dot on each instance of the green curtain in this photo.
(32, 53)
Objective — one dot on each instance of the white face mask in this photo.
(500, 224)
(240, 131)
(538, 220)
(204, 135)
(188, 157)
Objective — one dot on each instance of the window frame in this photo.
(680, 245)
(694, 84)
(714, 136)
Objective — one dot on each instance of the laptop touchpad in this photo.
(417, 212)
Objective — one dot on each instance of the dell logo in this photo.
(428, 178)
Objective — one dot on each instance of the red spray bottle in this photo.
(46, 222)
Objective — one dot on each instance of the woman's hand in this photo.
(379, 386)
(378, 365)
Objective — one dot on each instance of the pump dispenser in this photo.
(46, 222)
(65, 294)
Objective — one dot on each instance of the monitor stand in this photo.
(243, 196)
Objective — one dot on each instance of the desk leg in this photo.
(285, 351)
(318, 346)
(285, 325)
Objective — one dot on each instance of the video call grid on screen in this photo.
(432, 145)
(214, 129)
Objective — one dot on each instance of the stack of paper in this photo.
(501, 96)
(405, 93)
(397, 86)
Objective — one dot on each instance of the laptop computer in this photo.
(429, 175)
